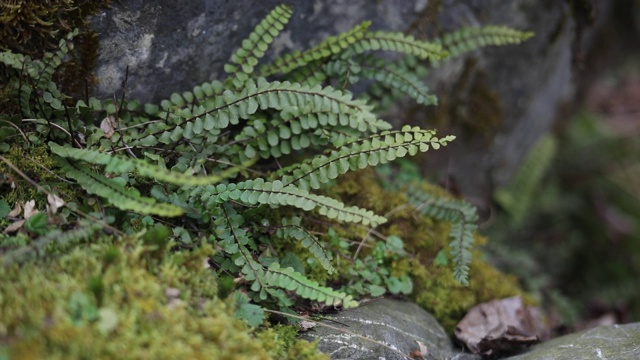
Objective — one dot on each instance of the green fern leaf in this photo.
(119, 165)
(260, 192)
(254, 47)
(397, 42)
(471, 38)
(462, 217)
(289, 279)
(329, 47)
(375, 150)
(118, 196)
(231, 107)
(291, 228)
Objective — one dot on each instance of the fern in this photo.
(231, 155)
(462, 217)
(119, 165)
(471, 38)
(378, 149)
(518, 196)
(260, 192)
(333, 45)
(288, 279)
(246, 57)
(292, 228)
(51, 242)
(118, 195)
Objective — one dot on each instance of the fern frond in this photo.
(289, 279)
(46, 243)
(375, 150)
(517, 198)
(390, 75)
(231, 107)
(253, 48)
(397, 42)
(331, 46)
(119, 165)
(291, 228)
(260, 192)
(471, 38)
(462, 217)
(118, 196)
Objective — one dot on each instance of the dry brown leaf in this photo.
(108, 126)
(500, 326)
(55, 202)
(306, 325)
(30, 209)
(421, 353)
(13, 227)
(17, 210)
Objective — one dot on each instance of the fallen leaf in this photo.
(108, 126)
(55, 202)
(500, 326)
(13, 227)
(306, 325)
(17, 210)
(30, 209)
(421, 352)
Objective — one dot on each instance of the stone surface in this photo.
(617, 342)
(171, 46)
(394, 323)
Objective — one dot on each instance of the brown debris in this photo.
(500, 326)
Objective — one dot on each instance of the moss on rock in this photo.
(435, 288)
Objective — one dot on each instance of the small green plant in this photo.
(245, 162)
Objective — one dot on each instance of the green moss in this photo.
(100, 302)
(435, 288)
(33, 162)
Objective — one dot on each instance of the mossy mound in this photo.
(426, 241)
(121, 298)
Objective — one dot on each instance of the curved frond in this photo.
(471, 38)
(462, 217)
(253, 48)
(291, 228)
(289, 279)
(375, 150)
(400, 43)
(231, 107)
(331, 46)
(260, 192)
(119, 164)
(117, 194)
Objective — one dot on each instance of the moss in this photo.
(33, 162)
(435, 288)
(100, 302)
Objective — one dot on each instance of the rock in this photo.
(395, 327)
(616, 342)
(172, 46)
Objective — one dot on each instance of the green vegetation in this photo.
(584, 182)
(264, 176)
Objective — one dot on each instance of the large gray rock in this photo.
(393, 328)
(171, 46)
(617, 342)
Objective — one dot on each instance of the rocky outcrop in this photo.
(397, 330)
(170, 46)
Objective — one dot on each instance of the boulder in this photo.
(615, 342)
(171, 46)
(393, 330)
